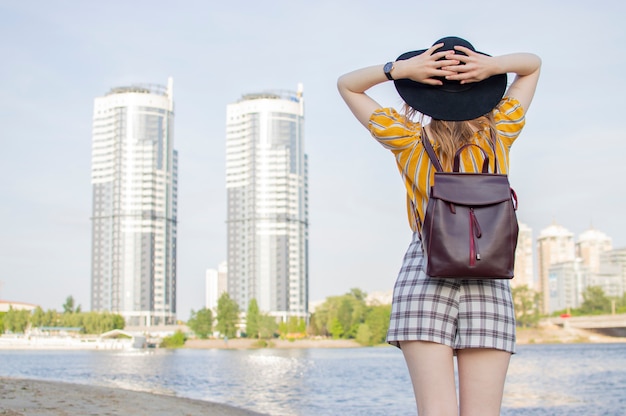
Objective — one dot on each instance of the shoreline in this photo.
(247, 343)
(553, 334)
(545, 334)
(28, 397)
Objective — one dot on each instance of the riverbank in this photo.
(545, 334)
(20, 397)
(247, 343)
(554, 334)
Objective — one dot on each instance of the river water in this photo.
(564, 379)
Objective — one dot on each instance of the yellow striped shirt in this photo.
(403, 137)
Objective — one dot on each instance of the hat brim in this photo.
(463, 102)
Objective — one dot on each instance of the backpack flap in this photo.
(471, 189)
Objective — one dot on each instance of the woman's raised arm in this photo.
(476, 67)
(421, 68)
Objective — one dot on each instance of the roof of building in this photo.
(5, 305)
(140, 89)
(555, 230)
(593, 235)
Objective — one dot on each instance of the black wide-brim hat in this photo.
(452, 101)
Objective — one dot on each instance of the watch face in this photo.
(387, 69)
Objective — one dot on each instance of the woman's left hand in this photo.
(473, 66)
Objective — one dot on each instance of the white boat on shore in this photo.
(112, 340)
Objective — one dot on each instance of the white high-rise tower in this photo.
(134, 182)
(554, 245)
(267, 193)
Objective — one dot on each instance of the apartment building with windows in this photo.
(267, 203)
(134, 207)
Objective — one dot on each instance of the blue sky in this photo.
(57, 56)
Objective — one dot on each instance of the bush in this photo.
(263, 343)
(176, 340)
(364, 335)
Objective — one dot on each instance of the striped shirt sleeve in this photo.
(393, 130)
(510, 120)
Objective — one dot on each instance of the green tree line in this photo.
(526, 302)
(227, 319)
(596, 302)
(18, 321)
(349, 316)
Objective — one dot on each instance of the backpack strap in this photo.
(493, 143)
(430, 151)
(457, 156)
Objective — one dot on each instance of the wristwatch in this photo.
(388, 68)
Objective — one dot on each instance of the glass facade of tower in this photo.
(134, 186)
(267, 197)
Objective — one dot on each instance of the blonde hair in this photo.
(452, 135)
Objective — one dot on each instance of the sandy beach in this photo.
(20, 397)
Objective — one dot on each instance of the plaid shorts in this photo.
(455, 312)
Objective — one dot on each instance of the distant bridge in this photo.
(612, 325)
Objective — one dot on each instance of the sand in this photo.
(19, 397)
